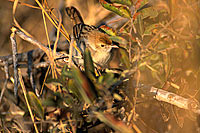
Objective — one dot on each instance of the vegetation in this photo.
(158, 48)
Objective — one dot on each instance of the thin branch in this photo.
(30, 70)
(172, 98)
(6, 80)
(32, 41)
(26, 99)
(15, 61)
(160, 94)
(71, 51)
(156, 36)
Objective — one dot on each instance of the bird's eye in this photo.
(102, 45)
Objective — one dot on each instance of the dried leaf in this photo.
(117, 97)
(109, 120)
(88, 65)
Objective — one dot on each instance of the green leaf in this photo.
(56, 100)
(49, 102)
(69, 101)
(149, 12)
(66, 72)
(88, 65)
(107, 79)
(54, 82)
(108, 30)
(123, 2)
(35, 104)
(73, 88)
(147, 5)
(85, 88)
(120, 10)
(140, 25)
(124, 58)
(148, 29)
(113, 35)
(119, 40)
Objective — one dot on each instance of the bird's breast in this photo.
(101, 58)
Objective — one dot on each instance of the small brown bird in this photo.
(99, 43)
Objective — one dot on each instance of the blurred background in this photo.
(31, 20)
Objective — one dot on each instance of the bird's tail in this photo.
(74, 15)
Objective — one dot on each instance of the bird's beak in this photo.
(114, 46)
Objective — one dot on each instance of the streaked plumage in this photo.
(93, 38)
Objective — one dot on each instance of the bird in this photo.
(91, 37)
